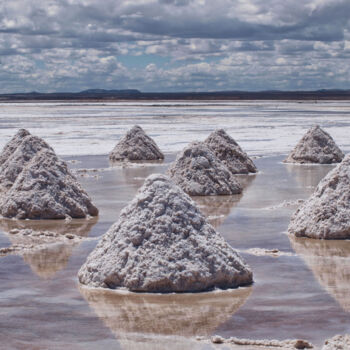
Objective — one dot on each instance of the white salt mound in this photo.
(136, 145)
(316, 146)
(338, 342)
(11, 146)
(200, 173)
(36, 184)
(326, 214)
(230, 153)
(162, 243)
(16, 154)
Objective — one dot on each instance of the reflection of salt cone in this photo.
(308, 176)
(128, 314)
(47, 254)
(330, 263)
(78, 227)
(159, 343)
(246, 180)
(135, 176)
(216, 208)
(45, 262)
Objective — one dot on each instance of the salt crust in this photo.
(338, 342)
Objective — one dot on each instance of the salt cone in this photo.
(326, 214)
(230, 153)
(316, 146)
(200, 173)
(162, 243)
(12, 145)
(16, 154)
(136, 145)
(46, 189)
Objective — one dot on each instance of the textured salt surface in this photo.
(162, 243)
(338, 342)
(326, 214)
(45, 189)
(267, 252)
(136, 145)
(230, 153)
(37, 184)
(264, 343)
(286, 204)
(17, 154)
(316, 146)
(28, 240)
(12, 145)
(200, 173)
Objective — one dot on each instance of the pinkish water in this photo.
(301, 294)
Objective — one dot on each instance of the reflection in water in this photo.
(329, 261)
(48, 260)
(217, 208)
(308, 176)
(131, 163)
(246, 180)
(133, 315)
(135, 176)
(44, 254)
(78, 227)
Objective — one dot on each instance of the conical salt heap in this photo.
(45, 189)
(162, 243)
(38, 185)
(11, 146)
(16, 154)
(200, 173)
(136, 145)
(230, 153)
(316, 146)
(326, 214)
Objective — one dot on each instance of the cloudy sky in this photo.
(174, 45)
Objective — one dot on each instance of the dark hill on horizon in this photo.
(133, 94)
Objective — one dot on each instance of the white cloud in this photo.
(226, 44)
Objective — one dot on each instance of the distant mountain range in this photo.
(133, 94)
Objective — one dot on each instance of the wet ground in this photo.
(302, 293)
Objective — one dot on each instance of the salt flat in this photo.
(260, 127)
(297, 294)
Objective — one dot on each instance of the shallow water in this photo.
(304, 293)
